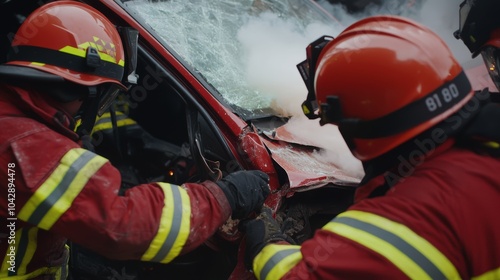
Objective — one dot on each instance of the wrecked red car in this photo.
(217, 91)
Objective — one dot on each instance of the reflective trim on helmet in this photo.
(430, 106)
(56, 194)
(72, 61)
(174, 225)
(82, 53)
(412, 254)
(275, 260)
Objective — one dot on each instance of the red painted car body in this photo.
(261, 141)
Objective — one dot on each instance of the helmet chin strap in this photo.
(88, 116)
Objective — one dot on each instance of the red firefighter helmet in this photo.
(383, 81)
(71, 40)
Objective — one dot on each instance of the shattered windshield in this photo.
(246, 49)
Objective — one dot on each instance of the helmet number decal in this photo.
(447, 95)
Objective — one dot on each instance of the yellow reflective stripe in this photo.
(77, 124)
(422, 245)
(104, 122)
(7, 258)
(399, 259)
(490, 275)
(108, 114)
(38, 272)
(275, 260)
(28, 246)
(492, 144)
(51, 200)
(82, 53)
(9, 264)
(412, 254)
(174, 227)
(24, 246)
(62, 271)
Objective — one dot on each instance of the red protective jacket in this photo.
(52, 190)
(440, 222)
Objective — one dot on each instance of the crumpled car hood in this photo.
(307, 160)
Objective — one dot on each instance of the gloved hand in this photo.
(260, 231)
(245, 191)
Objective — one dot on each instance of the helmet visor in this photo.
(465, 8)
(491, 57)
(108, 96)
(477, 20)
(307, 69)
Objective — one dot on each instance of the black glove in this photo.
(245, 191)
(260, 231)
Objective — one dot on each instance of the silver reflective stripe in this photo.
(175, 227)
(42, 209)
(427, 265)
(275, 260)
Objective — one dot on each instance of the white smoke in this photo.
(274, 46)
(440, 16)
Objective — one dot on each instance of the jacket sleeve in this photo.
(78, 199)
(325, 256)
(363, 243)
(356, 245)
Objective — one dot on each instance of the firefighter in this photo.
(427, 206)
(479, 30)
(68, 60)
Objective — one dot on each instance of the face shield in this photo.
(102, 97)
(464, 11)
(108, 96)
(109, 92)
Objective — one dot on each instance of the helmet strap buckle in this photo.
(92, 57)
(331, 111)
(88, 112)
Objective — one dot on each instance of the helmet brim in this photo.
(21, 73)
